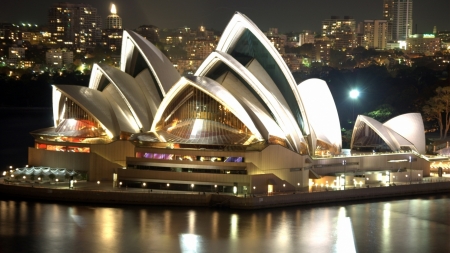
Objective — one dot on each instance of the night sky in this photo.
(286, 15)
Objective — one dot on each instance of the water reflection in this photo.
(415, 225)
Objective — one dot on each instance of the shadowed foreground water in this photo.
(404, 225)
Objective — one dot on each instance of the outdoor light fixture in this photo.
(144, 184)
(168, 185)
(354, 94)
(98, 182)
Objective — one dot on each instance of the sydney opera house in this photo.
(240, 123)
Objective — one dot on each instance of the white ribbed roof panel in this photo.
(161, 68)
(282, 115)
(321, 111)
(410, 126)
(131, 93)
(214, 90)
(260, 116)
(93, 102)
(231, 35)
(223, 96)
(378, 128)
(123, 114)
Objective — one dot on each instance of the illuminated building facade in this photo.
(76, 25)
(341, 31)
(112, 35)
(240, 122)
(374, 34)
(113, 21)
(426, 44)
(58, 57)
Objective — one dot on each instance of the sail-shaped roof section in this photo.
(91, 101)
(198, 110)
(221, 66)
(367, 130)
(322, 113)
(139, 54)
(127, 88)
(215, 91)
(243, 40)
(409, 126)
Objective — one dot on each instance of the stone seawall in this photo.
(104, 197)
(260, 202)
(216, 200)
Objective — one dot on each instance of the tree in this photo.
(443, 94)
(438, 108)
(382, 113)
(432, 111)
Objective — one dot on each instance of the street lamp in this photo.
(344, 162)
(354, 94)
(410, 170)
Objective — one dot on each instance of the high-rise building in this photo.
(113, 21)
(374, 33)
(341, 31)
(388, 15)
(74, 24)
(112, 35)
(403, 22)
(398, 14)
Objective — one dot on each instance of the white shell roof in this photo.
(393, 138)
(93, 102)
(161, 67)
(129, 90)
(214, 90)
(282, 114)
(410, 126)
(237, 25)
(321, 111)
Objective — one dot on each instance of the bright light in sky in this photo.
(113, 9)
(354, 94)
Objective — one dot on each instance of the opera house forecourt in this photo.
(240, 124)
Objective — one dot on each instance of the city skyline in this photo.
(287, 16)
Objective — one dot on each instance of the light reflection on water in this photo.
(405, 225)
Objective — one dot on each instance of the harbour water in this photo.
(419, 224)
